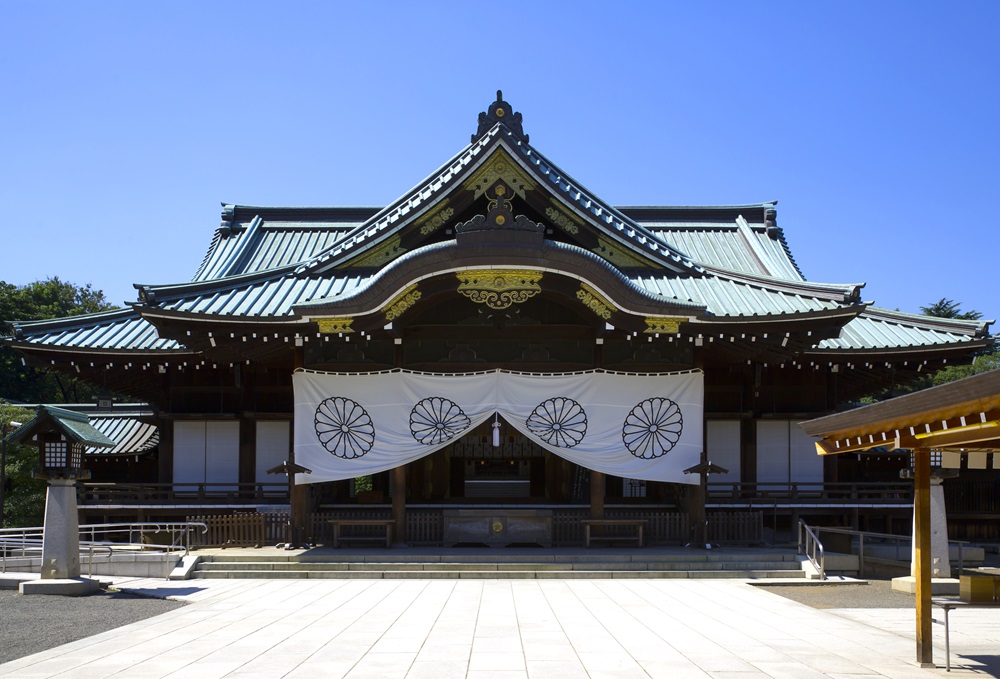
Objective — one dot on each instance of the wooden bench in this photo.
(341, 523)
(639, 524)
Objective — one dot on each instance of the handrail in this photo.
(101, 537)
(812, 539)
(862, 534)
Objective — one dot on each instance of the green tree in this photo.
(989, 360)
(50, 298)
(23, 496)
(947, 308)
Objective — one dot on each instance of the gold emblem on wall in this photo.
(380, 255)
(499, 288)
(663, 324)
(595, 301)
(620, 256)
(501, 168)
(435, 220)
(329, 326)
(562, 220)
(402, 302)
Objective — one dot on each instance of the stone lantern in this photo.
(61, 436)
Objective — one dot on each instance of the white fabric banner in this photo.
(635, 426)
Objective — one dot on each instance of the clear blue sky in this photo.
(125, 124)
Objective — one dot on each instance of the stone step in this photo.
(281, 566)
(667, 560)
(494, 574)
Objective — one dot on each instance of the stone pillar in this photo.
(940, 557)
(61, 534)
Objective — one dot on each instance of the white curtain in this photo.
(636, 426)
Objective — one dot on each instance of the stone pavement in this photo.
(677, 629)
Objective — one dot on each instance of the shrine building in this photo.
(499, 340)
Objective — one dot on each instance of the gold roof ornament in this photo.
(499, 288)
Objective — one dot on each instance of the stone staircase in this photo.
(497, 563)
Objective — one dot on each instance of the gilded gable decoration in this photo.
(402, 302)
(501, 168)
(334, 325)
(620, 256)
(380, 255)
(595, 301)
(562, 220)
(435, 220)
(499, 288)
(663, 324)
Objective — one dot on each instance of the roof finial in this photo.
(500, 112)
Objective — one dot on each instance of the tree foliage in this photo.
(947, 308)
(50, 298)
(24, 496)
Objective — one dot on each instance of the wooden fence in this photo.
(241, 530)
(426, 526)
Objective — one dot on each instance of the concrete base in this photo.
(939, 586)
(60, 587)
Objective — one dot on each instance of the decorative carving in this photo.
(562, 220)
(663, 324)
(380, 255)
(330, 326)
(500, 111)
(595, 301)
(402, 302)
(499, 288)
(434, 221)
(500, 168)
(620, 256)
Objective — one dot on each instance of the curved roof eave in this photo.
(447, 257)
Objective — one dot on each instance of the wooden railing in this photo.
(831, 493)
(424, 526)
(241, 530)
(168, 493)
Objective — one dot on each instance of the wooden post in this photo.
(298, 500)
(398, 481)
(597, 490)
(922, 556)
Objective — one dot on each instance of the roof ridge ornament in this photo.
(500, 112)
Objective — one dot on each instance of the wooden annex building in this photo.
(500, 263)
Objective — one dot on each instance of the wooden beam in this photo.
(398, 480)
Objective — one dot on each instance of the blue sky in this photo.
(874, 125)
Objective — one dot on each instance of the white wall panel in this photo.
(189, 452)
(723, 448)
(807, 466)
(772, 451)
(222, 452)
(272, 450)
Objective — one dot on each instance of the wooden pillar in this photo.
(598, 482)
(398, 481)
(922, 557)
(696, 512)
(299, 493)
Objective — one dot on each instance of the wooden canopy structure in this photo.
(961, 417)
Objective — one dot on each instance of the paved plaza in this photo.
(500, 629)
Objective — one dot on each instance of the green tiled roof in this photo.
(74, 426)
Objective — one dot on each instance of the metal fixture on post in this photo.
(290, 469)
